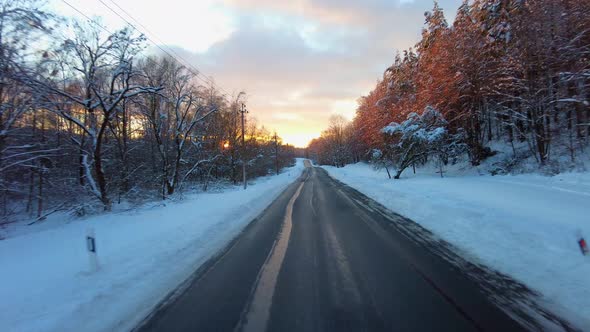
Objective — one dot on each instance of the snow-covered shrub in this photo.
(381, 160)
(420, 136)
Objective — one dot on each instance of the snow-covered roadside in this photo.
(525, 225)
(44, 280)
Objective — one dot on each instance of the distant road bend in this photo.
(322, 257)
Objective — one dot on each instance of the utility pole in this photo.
(276, 138)
(243, 110)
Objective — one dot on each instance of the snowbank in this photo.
(45, 284)
(525, 225)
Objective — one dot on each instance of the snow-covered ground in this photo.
(45, 283)
(526, 226)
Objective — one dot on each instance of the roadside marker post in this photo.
(583, 246)
(91, 248)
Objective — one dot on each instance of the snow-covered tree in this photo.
(506, 71)
(416, 138)
(89, 79)
(22, 22)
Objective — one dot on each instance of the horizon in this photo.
(299, 63)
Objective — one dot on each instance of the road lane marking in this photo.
(256, 319)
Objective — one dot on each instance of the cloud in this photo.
(194, 27)
(301, 61)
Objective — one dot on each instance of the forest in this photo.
(508, 75)
(89, 118)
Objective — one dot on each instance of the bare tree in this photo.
(175, 114)
(91, 117)
(21, 21)
(99, 78)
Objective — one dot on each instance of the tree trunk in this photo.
(40, 194)
(29, 208)
(125, 185)
(98, 169)
(81, 167)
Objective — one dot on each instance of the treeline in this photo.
(90, 120)
(514, 72)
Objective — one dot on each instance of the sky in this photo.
(299, 61)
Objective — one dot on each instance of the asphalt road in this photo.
(322, 257)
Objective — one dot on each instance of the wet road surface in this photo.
(323, 257)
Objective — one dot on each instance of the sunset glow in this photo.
(298, 62)
(294, 165)
(299, 140)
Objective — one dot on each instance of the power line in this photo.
(189, 67)
(88, 18)
(146, 29)
(155, 44)
(195, 71)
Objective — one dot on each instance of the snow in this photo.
(427, 128)
(46, 285)
(526, 226)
